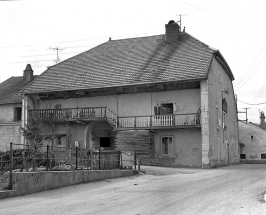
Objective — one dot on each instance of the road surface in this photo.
(230, 190)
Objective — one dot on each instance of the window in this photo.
(263, 156)
(59, 141)
(242, 156)
(167, 145)
(17, 114)
(164, 109)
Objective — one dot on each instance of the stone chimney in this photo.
(28, 73)
(262, 120)
(171, 31)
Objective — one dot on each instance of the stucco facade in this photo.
(252, 143)
(223, 127)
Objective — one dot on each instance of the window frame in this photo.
(172, 145)
(17, 114)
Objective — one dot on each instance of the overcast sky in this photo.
(28, 28)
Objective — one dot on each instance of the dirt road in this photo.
(230, 190)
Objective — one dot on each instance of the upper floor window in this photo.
(164, 109)
(17, 114)
(167, 145)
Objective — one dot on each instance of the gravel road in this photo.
(230, 190)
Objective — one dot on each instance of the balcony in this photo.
(159, 121)
(121, 123)
(74, 114)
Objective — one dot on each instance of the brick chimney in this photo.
(28, 73)
(262, 120)
(171, 31)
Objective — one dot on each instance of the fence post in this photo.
(135, 160)
(91, 159)
(120, 159)
(47, 158)
(76, 157)
(88, 156)
(138, 160)
(100, 158)
(11, 167)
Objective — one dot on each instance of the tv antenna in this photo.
(57, 49)
(180, 20)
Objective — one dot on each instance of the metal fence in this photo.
(47, 158)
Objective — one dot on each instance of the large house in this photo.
(169, 95)
(11, 108)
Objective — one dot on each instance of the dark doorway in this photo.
(105, 142)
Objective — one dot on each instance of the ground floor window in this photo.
(167, 145)
(242, 156)
(263, 156)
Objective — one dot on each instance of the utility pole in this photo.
(246, 112)
(180, 20)
(57, 49)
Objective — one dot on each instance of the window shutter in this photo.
(15, 114)
(163, 145)
(159, 110)
(170, 145)
(155, 110)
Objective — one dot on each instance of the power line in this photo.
(251, 104)
(32, 61)
(69, 41)
(46, 55)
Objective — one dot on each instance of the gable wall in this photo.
(7, 112)
(253, 148)
(220, 152)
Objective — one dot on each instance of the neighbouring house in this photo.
(169, 96)
(11, 108)
(252, 143)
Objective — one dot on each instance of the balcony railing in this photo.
(175, 120)
(75, 113)
(90, 113)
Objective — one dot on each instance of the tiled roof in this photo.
(10, 89)
(126, 62)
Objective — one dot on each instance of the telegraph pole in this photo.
(57, 49)
(246, 112)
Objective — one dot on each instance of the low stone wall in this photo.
(32, 182)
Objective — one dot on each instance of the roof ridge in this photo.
(135, 37)
(202, 43)
(253, 126)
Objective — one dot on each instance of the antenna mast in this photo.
(180, 20)
(57, 49)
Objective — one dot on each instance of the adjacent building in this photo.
(252, 143)
(11, 108)
(169, 96)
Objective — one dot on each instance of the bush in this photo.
(18, 158)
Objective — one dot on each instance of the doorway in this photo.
(105, 142)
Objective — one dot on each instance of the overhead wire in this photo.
(251, 104)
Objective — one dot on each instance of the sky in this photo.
(31, 30)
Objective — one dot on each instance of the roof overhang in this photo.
(223, 63)
(115, 86)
